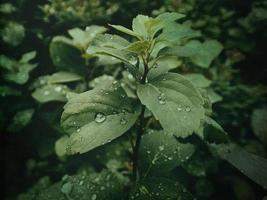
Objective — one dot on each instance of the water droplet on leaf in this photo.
(100, 117)
(187, 109)
(162, 99)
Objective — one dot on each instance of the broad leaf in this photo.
(20, 120)
(158, 188)
(175, 102)
(251, 165)
(84, 186)
(96, 117)
(178, 33)
(202, 54)
(161, 152)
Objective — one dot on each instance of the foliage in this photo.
(100, 102)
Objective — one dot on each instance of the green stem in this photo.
(140, 128)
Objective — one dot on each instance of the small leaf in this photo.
(81, 38)
(47, 93)
(8, 91)
(60, 146)
(175, 102)
(138, 47)
(20, 120)
(96, 117)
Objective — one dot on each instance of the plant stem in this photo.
(140, 128)
(137, 143)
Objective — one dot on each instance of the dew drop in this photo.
(162, 99)
(78, 130)
(179, 108)
(58, 89)
(123, 121)
(46, 92)
(187, 109)
(100, 117)
(133, 60)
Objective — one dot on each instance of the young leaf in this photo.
(96, 117)
(126, 30)
(175, 102)
(114, 46)
(161, 152)
(18, 71)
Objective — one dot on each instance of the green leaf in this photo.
(202, 54)
(160, 152)
(47, 93)
(213, 96)
(125, 30)
(81, 38)
(65, 55)
(178, 33)
(18, 71)
(103, 81)
(20, 120)
(96, 117)
(163, 65)
(63, 77)
(158, 188)
(84, 186)
(138, 47)
(112, 45)
(249, 164)
(198, 80)
(60, 146)
(13, 33)
(258, 122)
(175, 102)
(142, 25)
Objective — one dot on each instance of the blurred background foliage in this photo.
(40, 39)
